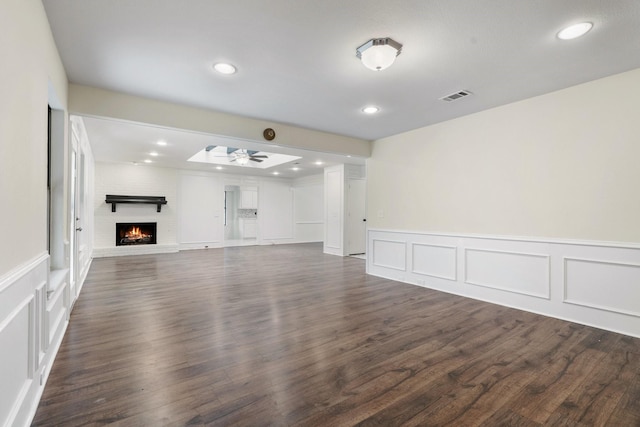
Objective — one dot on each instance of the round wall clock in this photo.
(269, 134)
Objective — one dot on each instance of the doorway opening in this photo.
(240, 215)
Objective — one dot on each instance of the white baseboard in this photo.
(592, 283)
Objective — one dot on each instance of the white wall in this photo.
(533, 205)
(561, 165)
(29, 62)
(33, 315)
(275, 211)
(135, 180)
(308, 196)
(200, 210)
(334, 210)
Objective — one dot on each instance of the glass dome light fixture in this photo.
(379, 54)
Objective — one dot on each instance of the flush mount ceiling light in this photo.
(575, 31)
(370, 109)
(378, 54)
(224, 68)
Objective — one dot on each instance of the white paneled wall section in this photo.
(275, 213)
(200, 202)
(335, 206)
(592, 283)
(308, 208)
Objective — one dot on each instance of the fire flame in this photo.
(135, 233)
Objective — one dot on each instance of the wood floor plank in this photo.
(287, 336)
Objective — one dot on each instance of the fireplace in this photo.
(135, 233)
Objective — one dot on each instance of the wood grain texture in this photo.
(287, 336)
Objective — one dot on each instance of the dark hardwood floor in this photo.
(284, 335)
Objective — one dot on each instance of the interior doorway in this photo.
(240, 215)
(356, 216)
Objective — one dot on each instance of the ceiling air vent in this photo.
(456, 95)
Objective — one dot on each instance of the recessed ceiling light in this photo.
(295, 168)
(219, 168)
(161, 142)
(224, 68)
(371, 109)
(575, 31)
(147, 161)
(318, 163)
(276, 173)
(153, 153)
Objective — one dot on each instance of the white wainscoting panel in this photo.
(593, 283)
(526, 274)
(33, 319)
(15, 370)
(434, 260)
(589, 283)
(389, 254)
(22, 295)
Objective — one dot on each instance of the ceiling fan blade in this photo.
(253, 159)
(231, 150)
(251, 152)
(260, 156)
(233, 160)
(210, 147)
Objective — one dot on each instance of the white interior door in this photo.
(356, 216)
(76, 210)
(73, 219)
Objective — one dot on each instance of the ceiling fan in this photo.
(240, 155)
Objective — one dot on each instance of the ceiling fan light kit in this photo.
(379, 54)
(240, 156)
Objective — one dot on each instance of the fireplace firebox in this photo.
(136, 233)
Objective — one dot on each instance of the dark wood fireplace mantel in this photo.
(150, 200)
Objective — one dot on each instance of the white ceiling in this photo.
(297, 65)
